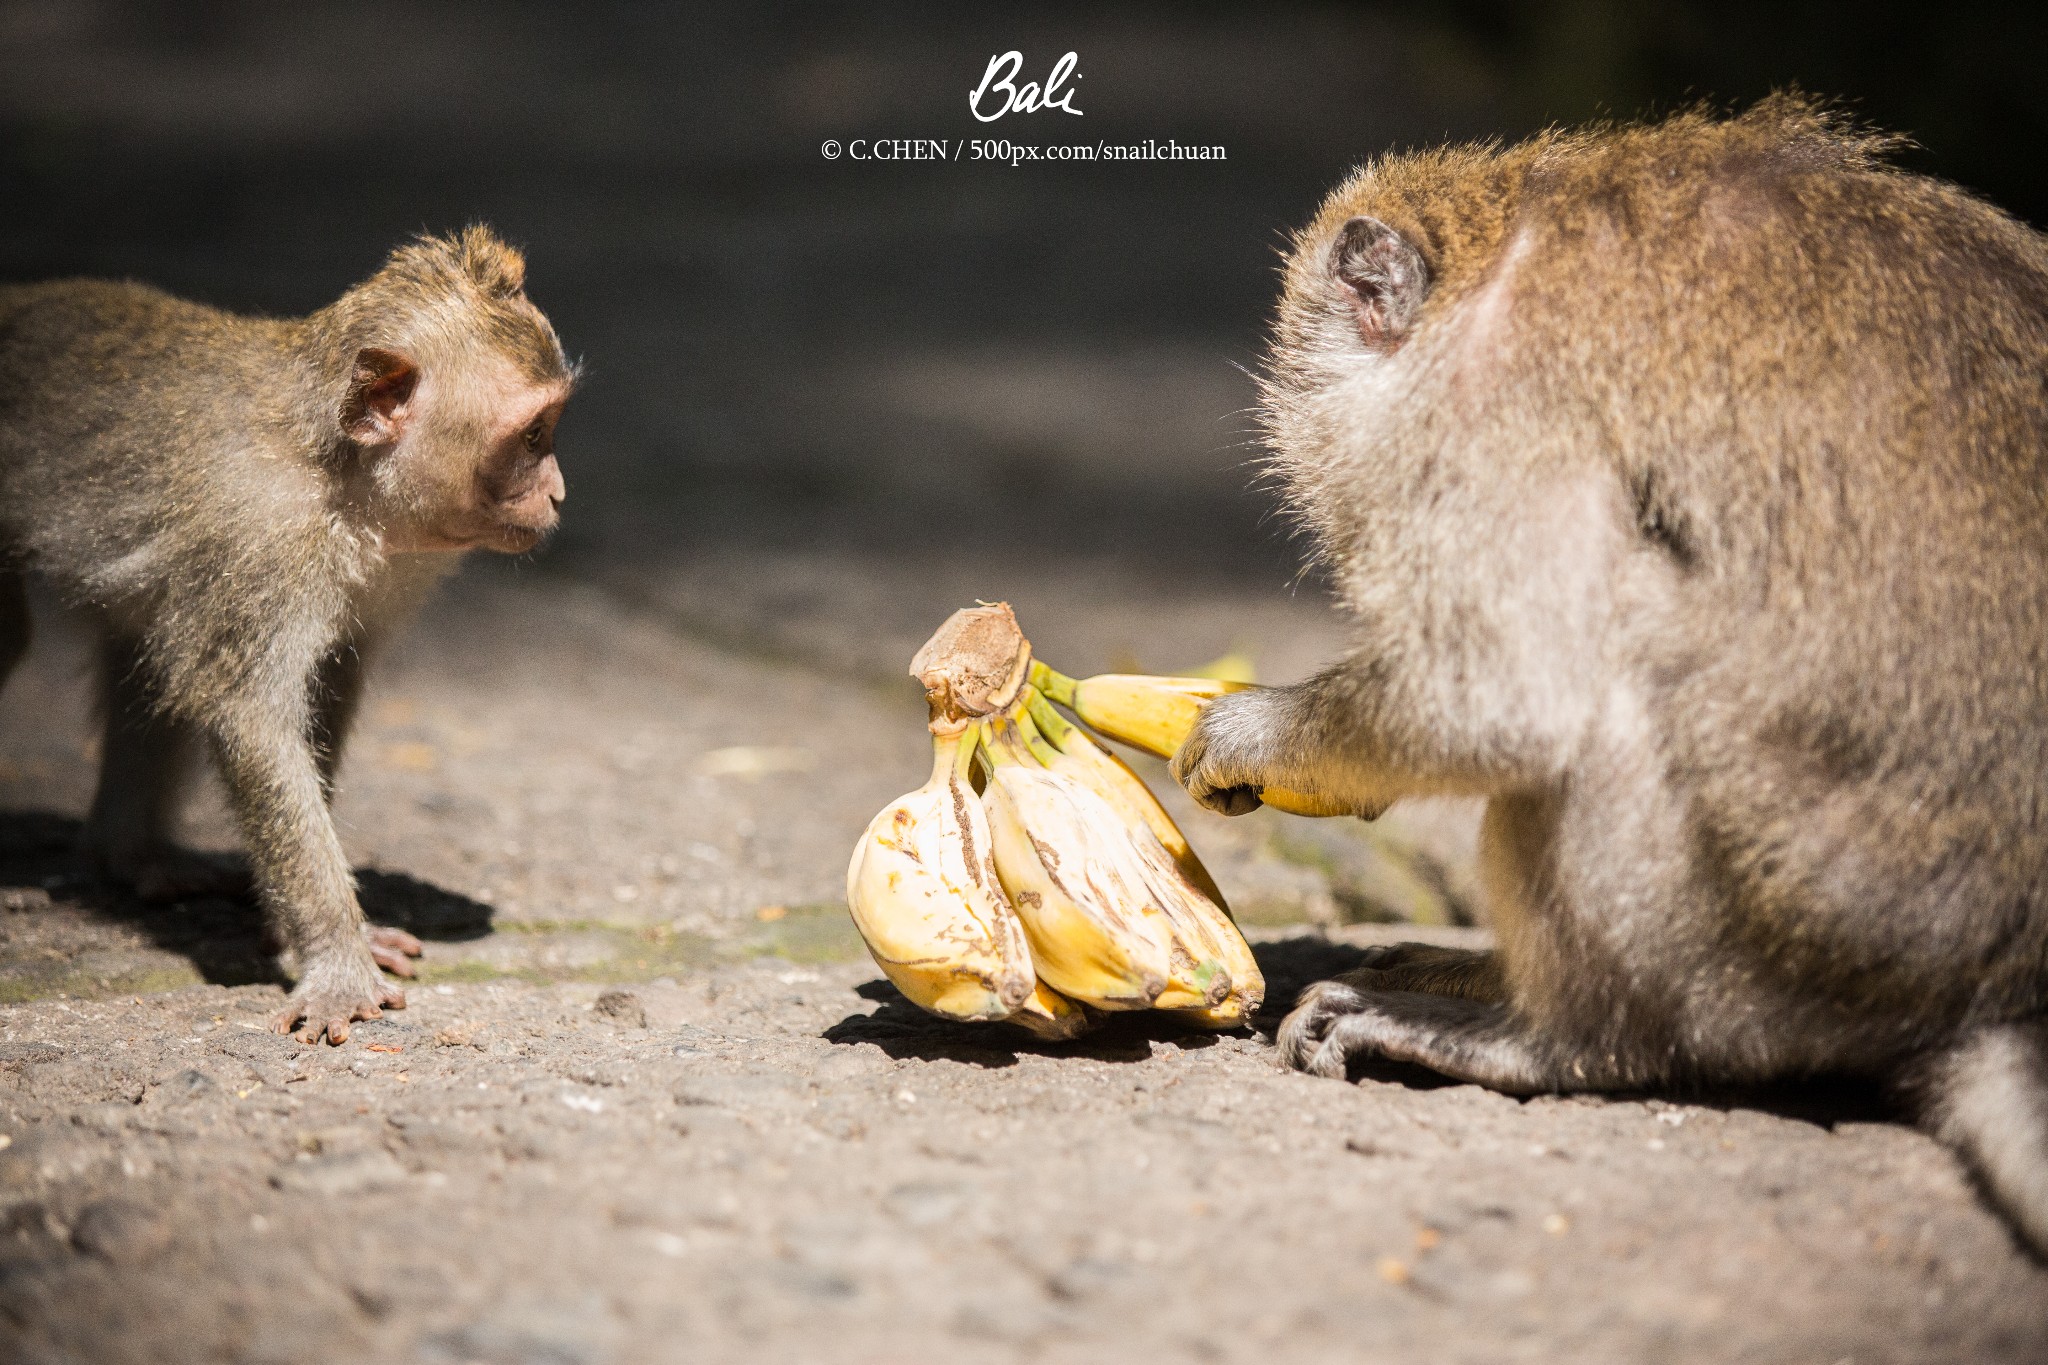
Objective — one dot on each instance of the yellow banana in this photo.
(1082, 756)
(1155, 714)
(1198, 978)
(1097, 930)
(1200, 922)
(925, 895)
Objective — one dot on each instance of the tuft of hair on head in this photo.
(476, 258)
(485, 278)
(493, 265)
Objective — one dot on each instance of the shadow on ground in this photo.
(1291, 965)
(902, 1030)
(224, 937)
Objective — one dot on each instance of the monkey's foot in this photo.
(391, 947)
(334, 995)
(1337, 1023)
(1429, 970)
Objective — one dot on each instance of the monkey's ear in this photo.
(1383, 276)
(379, 402)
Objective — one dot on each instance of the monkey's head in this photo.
(1389, 249)
(1368, 283)
(454, 383)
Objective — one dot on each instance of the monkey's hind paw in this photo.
(1337, 1024)
(1304, 1038)
(391, 947)
(328, 1011)
(1427, 969)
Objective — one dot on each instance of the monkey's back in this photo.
(112, 398)
(1844, 475)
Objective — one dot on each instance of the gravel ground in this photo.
(649, 1102)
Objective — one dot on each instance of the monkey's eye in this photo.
(532, 435)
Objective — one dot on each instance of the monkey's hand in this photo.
(339, 987)
(1230, 754)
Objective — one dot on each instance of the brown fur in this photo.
(1699, 521)
(245, 505)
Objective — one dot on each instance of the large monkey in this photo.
(245, 505)
(1688, 487)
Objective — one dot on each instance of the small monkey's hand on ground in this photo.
(1228, 757)
(336, 991)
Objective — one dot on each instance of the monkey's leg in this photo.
(16, 625)
(146, 761)
(338, 693)
(1465, 1039)
(1987, 1097)
(1429, 970)
(273, 780)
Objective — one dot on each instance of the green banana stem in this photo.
(1011, 738)
(1055, 686)
(952, 756)
(1042, 749)
(1049, 723)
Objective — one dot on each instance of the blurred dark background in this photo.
(828, 400)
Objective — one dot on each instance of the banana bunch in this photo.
(1035, 879)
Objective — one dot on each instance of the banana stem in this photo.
(1042, 749)
(1049, 723)
(1003, 741)
(1056, 686)
(951, 756)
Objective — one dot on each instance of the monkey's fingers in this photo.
(329, 1015)
(390, 948)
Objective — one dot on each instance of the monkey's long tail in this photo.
(1987, 1097)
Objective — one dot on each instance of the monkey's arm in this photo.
(275, 785)
(1311, 737)
(337, 696)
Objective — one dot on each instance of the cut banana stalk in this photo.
(1156, 714)
(925, 895)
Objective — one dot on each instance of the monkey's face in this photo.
(474, 467)
(516, 490)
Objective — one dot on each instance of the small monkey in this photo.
(246, 506)
(1687, 485)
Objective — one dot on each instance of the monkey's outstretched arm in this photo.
(274, 783)
(1314, 737)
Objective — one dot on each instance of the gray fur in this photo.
(1700, 523)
